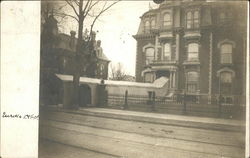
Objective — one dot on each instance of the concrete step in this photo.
(132, 145)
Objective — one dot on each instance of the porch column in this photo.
(170, 79)
(162, 52)
(156, 47)
(174, 79)
(177, 47)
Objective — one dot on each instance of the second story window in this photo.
(226, 53)
(193, 51)
(150, 53)
(192, 19)
(167, 20)
(167, 51)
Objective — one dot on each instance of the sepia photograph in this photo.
(143, 79)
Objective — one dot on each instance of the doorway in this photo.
(161, 73)
(84, 95)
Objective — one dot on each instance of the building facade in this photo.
(200, 46)
(58, 57)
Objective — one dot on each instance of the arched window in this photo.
(167, 20)
(193, 51)
(192, 19)
(192, 81)
(153, 24)
(196, 19)
(225, 82)
(189, 20)
(226, 53)
(167, 51)
(147, 26)
(150, 53)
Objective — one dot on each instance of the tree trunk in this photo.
(78, 56)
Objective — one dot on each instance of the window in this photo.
(193, 51)
(225, 82)
(192, 19)
(147, 26)
(189, 20)
(167, 20)
(226, 53)
(225, 16)
(150, 52)
(196, 19)
(153, 24)
(167, 52)
(192, 82)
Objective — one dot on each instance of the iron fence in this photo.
(178, 104)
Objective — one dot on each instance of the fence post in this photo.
(184, 103)
(153, 102)
(220, 102)
(126, 100)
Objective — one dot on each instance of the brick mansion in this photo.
(199, 46)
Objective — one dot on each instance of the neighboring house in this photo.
(200, 46)
(58, 57)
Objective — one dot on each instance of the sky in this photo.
(115, 30)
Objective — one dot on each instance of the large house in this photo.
(200, 46)
(58, 57)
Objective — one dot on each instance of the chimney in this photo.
(72, 34)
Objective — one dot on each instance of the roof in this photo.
(159, 83)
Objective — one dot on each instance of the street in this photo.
(110, 137)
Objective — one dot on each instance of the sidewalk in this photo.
(167, 119)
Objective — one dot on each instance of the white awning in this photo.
(170, 95)
(159, 83)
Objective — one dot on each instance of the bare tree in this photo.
(117, 72)
(83, 10)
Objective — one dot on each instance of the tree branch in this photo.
(63, 15)
(85, 7)
(73, 7)
(90, 7)
(100, 13)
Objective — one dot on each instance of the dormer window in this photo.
(167, 20)
(147, 26)
(153, 24)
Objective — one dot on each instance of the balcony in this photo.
(191, 62)
(164, 62)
